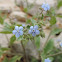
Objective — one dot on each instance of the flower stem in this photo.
(25, 56)
(39, 52)
(7, 38)
(47, 39)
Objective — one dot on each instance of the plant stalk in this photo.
(25, 56)
(55, 54)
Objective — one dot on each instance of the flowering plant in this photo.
(32, 30)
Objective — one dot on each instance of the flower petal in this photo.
(20, 28)
(23, 25)
(16, 27)
(21, 32)
(35, 27)
(31, 27)
(37, 32)
(43, 5)
(30, 32)
(14, 31)
(17, 34)
(33, 34)
(45, 9)
(48, 6)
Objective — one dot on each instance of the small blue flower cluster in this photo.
(47, 60)
(46, 7)
(34, 30)
(19, 31)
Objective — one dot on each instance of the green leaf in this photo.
(51, 12)
(5, 32)
(1, 20)
(56, 31)
(15, 58)
(43, 56)
(42, 34)
(37, 42)
(53, 20)
(5, 60)
(59, 15)
(12, 39)
(28, 21)
(1, 53)
(5, 49)
(7, 29)
(49, 46)
(25, 10)
(19, 57)
(31, 21)
(59, 4)
(42, 22)
(42, 17)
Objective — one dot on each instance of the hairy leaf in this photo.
(37, 41)
(12, 39)
(53, 20)
(49, 46)
(56, 31)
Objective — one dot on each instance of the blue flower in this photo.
(60, 44)
(23, 25)
(45, 6)
(47, 60)
(18, 31)
(34, 30)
